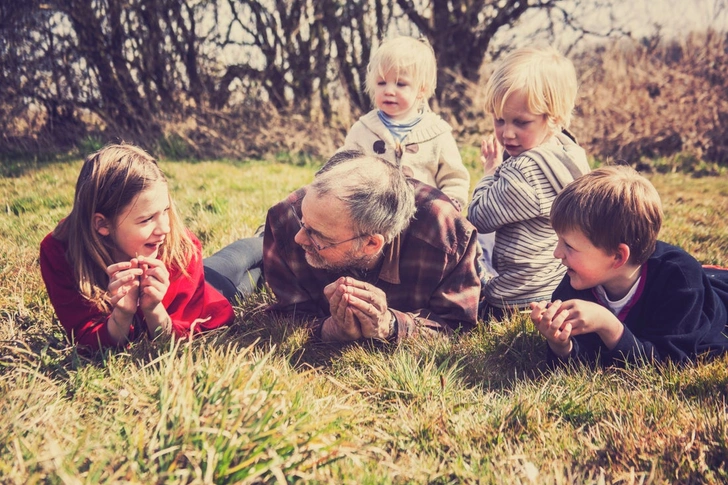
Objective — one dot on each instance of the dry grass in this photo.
(651, 99)
(258, 402)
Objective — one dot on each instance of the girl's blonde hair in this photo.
(404, 55)
(110, 180)
(545, 76)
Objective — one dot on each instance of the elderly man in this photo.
(364, 252)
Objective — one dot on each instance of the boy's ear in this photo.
(621, 257)
(101, 224)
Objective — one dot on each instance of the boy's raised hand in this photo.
(490, 154)
(558, 321)
(550, 319)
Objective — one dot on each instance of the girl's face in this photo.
(519, 130)
(141, 227)
(397, 96)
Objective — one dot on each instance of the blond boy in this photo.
(401, 77)
(626, 297)
(530, 96)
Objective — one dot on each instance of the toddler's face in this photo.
(519, 130)
(397, 96)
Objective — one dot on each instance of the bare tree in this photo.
(138, 63)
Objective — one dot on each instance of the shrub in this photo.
(655, 98)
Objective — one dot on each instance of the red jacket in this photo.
(187, 299)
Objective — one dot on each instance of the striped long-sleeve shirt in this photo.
(515, 202)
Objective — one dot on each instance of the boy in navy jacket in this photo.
(626, 297)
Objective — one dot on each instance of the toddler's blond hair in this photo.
(404, 55)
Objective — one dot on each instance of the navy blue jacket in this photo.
(677, 313)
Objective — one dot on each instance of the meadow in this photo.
(258, 402)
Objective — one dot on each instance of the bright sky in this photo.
(678, 16)
(640, 17)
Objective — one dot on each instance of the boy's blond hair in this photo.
(545, 76)
(404, 55)
(611, 205)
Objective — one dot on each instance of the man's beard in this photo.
(349, 261)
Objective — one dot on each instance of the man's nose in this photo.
(301, 237)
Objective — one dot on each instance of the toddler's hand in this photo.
(490, 154)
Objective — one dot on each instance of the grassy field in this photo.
(258, 402)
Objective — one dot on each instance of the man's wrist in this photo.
(393, 326)
(331, 332)
(324, 333)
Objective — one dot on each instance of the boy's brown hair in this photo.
(611, 205)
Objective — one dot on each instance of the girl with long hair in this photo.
(122, 263)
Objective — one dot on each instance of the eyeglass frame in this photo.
(309, 233)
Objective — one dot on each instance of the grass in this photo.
(258, 402)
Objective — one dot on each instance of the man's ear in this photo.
(373, 244)
(101, 224)
(621, 257)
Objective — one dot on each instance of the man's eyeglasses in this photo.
(311, 236)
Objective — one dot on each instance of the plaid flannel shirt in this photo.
(428, 272)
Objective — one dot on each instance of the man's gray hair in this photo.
(378, 195)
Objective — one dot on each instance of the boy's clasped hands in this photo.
(558, 321)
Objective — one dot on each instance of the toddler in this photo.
(401, 77)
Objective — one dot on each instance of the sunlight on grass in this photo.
(259, 402)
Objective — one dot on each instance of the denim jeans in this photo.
(237, 269)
